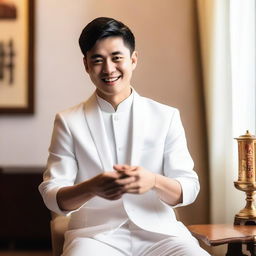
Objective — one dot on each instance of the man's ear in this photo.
(85, 64)
(134, 59)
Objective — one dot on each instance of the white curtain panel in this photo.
(227, 36)
(243, 55)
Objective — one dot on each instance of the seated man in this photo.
(119, 163)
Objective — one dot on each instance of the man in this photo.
(119, 163)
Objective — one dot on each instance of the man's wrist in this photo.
(87, 188)
(155, 181)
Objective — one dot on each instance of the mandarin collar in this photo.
(124, 106)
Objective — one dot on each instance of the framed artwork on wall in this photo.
(16, 56)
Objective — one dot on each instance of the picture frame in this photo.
(16, 57)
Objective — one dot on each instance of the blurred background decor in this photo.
(16, 56)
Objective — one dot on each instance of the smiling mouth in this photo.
(110, 79)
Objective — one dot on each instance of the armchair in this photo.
(58, 225)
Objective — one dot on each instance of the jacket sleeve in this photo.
(61, 167)
(178, 163)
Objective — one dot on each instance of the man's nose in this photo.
(109, 67)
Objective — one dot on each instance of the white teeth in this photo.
(110, 79)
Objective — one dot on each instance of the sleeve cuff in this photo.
(190, 189)
(50, 200)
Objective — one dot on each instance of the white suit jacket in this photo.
(79, 151)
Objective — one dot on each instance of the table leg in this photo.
(235, 249)
(252, 248)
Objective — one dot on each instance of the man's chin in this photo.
(107, 92)
(110, 89)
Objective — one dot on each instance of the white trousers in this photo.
(130, 240)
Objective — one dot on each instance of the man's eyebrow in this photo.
(116, 53)
(95, 56)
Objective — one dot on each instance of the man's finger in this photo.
(132, 191)
(126, 180)
(123, 168)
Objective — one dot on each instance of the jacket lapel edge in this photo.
(97, 129)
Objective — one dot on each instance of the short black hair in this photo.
(103, 27)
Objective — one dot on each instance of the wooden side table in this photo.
(233, 235)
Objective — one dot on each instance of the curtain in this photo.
(227, 39)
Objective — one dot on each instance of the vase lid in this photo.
(247, 136)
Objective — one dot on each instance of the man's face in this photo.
(110, 65)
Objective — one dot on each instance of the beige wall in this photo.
(168, 71)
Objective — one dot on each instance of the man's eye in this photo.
(97, 61)
(117, 58)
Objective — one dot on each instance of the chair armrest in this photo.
(59, 225)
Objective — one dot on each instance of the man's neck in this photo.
(114, 100)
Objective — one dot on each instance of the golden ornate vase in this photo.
(246, 177)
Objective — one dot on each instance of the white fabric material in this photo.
(217, 85)
(80, 150)
(130, 240)
(118, 126)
